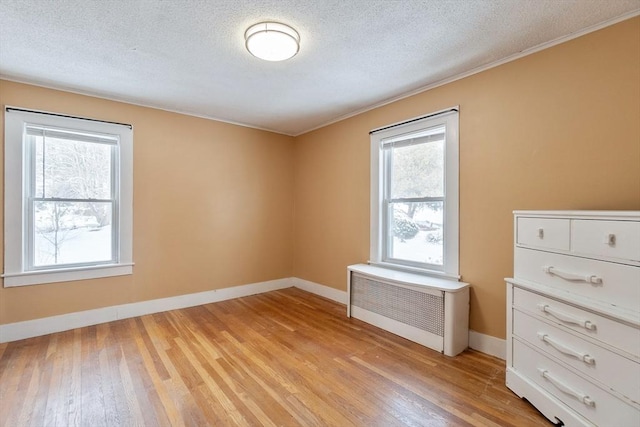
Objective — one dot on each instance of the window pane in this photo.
(416, 232)
(72, 233)
(417, 170)
(66, 168)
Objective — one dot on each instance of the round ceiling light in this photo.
(272, 41)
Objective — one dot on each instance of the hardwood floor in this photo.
(284, 358)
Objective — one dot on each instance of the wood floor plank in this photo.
(283, 358)
(37, 404)
(27, 415)
(92, 403)
(167, 405)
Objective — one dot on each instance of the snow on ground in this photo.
(418, 249)
(80, 245)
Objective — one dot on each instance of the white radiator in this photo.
(430, 311)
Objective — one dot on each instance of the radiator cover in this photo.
(430, 311)
(402, 304)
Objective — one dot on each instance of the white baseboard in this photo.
(321, 290)
(64, 322)
(487, 344)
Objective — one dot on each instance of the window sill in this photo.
(411, 279)
(415, 270)
(66, 274)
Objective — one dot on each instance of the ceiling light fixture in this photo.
(272, 41)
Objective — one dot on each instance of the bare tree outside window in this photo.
(72, 205)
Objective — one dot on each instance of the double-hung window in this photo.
(68, 198)
(414, 194)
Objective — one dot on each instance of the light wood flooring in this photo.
(284, 358)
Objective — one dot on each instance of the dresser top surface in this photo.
(619, 215)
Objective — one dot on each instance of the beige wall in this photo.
(218, 205)
(213, 206)
(559, 129)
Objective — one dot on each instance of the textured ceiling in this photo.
(189, 56)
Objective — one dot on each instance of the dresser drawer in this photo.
(545, 233)
(608, 331)
(618, 372)
(587, 399)
(617, 284)
(613, 239)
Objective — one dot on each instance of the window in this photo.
(68, 198)
(414, 194)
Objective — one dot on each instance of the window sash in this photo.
(31, 199)
(387, 175)
(388, 154)
(431, 134)
(387, 242)
(32, 265)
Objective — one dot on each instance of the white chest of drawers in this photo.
(573, 316)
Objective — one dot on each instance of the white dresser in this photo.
(573, 316)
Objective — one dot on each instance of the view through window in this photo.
(415, 196)
(73, 197)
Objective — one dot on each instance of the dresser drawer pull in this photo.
(566, 389)
(572, 277)
(566, 350)
(567, 318)
(610, 239)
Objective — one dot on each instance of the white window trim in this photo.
(451, 221)
(14, 242)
